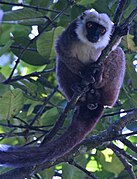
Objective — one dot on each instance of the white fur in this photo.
(102, 19)
(85, 52)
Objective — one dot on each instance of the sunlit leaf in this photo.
(129, 42)
(110, 162)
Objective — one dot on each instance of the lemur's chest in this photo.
(85, 53)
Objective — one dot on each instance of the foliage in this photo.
(30, 103)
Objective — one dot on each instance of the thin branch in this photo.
(34, 141)
(17, 61)
(34, 74)
(127, 165)
(37, 176)
(31, 41)
(112, 133)
(108, 135)
(27, 127)
(15, 134)
(20, 47)
(130, 18)
(119, 11)
(37, 8)
(93, 142)
(61, 119)
(116, 113)
(124, 153)
(123, 136)
(90, 174)
(116, 36)
(129, 145)
(40, 111)
(121, 123)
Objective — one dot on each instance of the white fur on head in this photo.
(100, 18)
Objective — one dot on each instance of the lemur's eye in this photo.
(102, 31)
(89, 24)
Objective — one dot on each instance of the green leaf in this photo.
(76, 11)
(49, 116)
(131, 69)
(40, 3)
(33, 89)
(103, 7)
(5, 70)
(6, 47)
(129, 43)
(92, 166)
(67, 171)
(133, 127)
(133, 139)
(3, 88)
(130, 6)
(110, 162)
(24, 16)
(11, 103)
(48, 173)
(30, 56)
(85, 2)
(71, 172)
(5, 31)
(46, 41)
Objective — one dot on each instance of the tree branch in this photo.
(34, 74)
(32, 41)
(63, 115)
(129, 145)
(123, 153)
(90, 174)
(93, 142)
(130, 18)
(116, 36)
(40, 111)
(119, 11)
(117, 113)
(119, 153)
(37, 8)
(112, 133)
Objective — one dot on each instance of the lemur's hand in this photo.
(122, 31)
(92, 74)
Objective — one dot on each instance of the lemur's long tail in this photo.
(83, 122)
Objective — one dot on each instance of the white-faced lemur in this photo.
(78, 49)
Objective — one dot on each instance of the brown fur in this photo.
(69, 68)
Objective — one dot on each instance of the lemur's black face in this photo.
(94, 31)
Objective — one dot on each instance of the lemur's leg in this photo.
(112, 79)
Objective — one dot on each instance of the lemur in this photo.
(78, 49)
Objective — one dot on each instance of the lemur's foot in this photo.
(98, 71)
(92, 74)
(87, 79)
(92, 106)
(79, 88)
